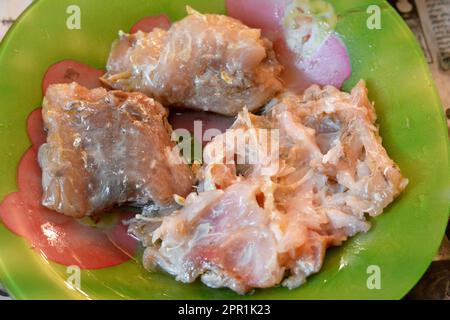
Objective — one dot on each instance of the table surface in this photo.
(435, 284)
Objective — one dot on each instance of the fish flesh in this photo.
(256, 222)
(107, 148)
(205, 62)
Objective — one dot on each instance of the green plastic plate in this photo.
(402, 241)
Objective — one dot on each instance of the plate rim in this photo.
(11, 30)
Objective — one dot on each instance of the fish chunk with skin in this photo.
(105, 149)
(253, 225)
(206, 62)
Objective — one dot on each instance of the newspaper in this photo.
(430, 22)
(435, 18)
(9, 11)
